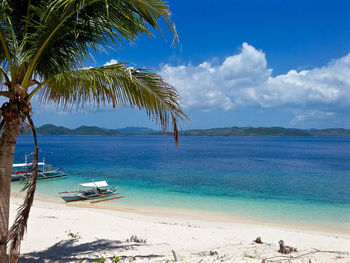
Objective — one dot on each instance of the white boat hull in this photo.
(40, 176)
(78, 195)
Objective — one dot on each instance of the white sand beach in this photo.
(193, 237)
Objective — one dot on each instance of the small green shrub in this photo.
(72, 234)
(116, 259)
(102, 260)
(249, 256)
(135, 239)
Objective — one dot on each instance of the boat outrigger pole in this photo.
(97, 201)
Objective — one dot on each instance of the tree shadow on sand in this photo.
(69, 251)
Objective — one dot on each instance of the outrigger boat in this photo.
(88, 191)
(22, 171)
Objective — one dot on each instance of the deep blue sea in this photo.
(291, 179)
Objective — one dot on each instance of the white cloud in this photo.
(324, 87)
(111, 62)
(243, 79)
(311, 115)
(224, 86)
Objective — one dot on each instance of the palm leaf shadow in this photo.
(68, 251)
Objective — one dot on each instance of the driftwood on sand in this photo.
(286, 249)
(174, 255)
(282, 259)
(258, 240)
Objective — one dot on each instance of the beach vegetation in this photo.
(45, 47)
(102, 260)
(135, 239)
(115, 259)
(72, 234)
(246, 255)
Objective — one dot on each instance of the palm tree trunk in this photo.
(19, 226)
(7, 148)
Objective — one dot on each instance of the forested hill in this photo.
(266, 131)
(49, 129)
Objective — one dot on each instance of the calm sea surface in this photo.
(298, 180)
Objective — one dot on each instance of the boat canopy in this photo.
(25, 164)
(95, 184)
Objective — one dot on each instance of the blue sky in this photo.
(242, 63)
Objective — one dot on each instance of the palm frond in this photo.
(6, 37)
(65, 31)
(3, 75)
(119, 85)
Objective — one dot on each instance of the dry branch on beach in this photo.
(282, 259)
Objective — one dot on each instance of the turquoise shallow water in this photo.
(294, 180)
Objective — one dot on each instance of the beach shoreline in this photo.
(191, 235)
(184, 213)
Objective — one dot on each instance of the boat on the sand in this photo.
(89, 191)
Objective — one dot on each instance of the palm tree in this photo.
(44, 46)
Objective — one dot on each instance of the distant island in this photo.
(50, 129)
(266, 131)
